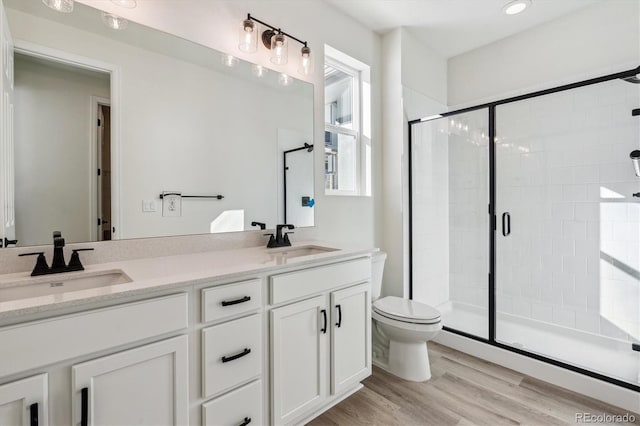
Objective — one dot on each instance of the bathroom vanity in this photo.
(247, 336)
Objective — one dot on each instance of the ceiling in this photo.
(452, 27)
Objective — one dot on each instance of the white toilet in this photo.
(401, 329)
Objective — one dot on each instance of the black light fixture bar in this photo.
(277, 30)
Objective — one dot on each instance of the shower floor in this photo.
(608, 356)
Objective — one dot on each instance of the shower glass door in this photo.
(567, 260)
(449, 220)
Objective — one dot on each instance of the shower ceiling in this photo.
(452, 27)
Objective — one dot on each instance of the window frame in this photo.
(355, 131)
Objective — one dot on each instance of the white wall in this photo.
(52, 122)
(215, 24)
(593, 41)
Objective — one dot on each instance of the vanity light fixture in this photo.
(276, 41)
(129, 4)
(516, 6)
(114, 22)
(229, 60)
(259, 70)
(65, 6)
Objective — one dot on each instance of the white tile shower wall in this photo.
(564, 174)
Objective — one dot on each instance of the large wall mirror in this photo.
(137, 133)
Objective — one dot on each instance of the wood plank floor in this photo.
(463, 390)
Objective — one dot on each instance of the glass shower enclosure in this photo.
(525, 224)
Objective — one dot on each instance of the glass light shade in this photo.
(285, 80)
(306, 62)
(279, 49)
(259, 70)
(248, 37)
(229, 60)
(65, 6)
(129, 4)
(114, 22)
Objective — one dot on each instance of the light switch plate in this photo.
(149, 206)
(171, 204)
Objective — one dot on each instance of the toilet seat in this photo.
(405, 310)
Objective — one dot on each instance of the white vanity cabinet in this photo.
(320, 346)
(146, 386)
(25, 402)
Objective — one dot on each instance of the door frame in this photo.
(491, 109)
(95, 157)
(35, 50)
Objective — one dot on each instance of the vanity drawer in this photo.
(232, 354)
(294, 285)
(241, 406)
(231, 299)
(49, 341)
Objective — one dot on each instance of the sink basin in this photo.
(292, 252)
(60, 283)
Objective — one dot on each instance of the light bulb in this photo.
(279, 49)
(516, 6)
(259, 70)
(229, 60)
(248, 36)
(306, 62)
(114, 22)
(65, 6)
(285, 79)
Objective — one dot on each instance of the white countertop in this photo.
(170, 271)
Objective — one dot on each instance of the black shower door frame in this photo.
(491, 107)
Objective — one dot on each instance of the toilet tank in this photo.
(377, 268)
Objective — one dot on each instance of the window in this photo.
(347, 136)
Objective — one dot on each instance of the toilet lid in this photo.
(406, 310)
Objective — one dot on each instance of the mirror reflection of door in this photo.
(104, 172)
(57, 156)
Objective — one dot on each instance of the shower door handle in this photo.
(506, 224)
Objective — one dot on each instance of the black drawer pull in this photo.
(33, 414)
(324, 323)
(506, 224)
(339, 323)
(235, 302)
(84, 407)
(246, 351)
(245, 422)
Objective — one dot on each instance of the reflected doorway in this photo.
(104, 171)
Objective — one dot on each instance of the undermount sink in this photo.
(291, 252)
(60, 283)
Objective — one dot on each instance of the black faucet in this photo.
(260, 224)
(58, 265)
(280, 239)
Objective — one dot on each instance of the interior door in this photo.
(142, 386)
(350, 336)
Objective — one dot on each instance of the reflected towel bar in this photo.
(217, 197)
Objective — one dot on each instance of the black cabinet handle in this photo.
(339, 323)
(324, 321)
(84, 407)
(506, 224)
(245, 422)
(33, 414)
(246, 351)
(235, 302)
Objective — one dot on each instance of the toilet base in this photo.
(409, 361)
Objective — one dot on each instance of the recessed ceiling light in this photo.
(516, 6)
(129, 4)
